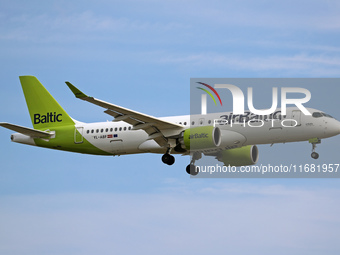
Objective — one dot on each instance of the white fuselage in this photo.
(118, 137)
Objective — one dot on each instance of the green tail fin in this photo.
(44, 110)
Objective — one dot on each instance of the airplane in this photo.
(230, 138)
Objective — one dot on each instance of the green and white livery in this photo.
(233, 143)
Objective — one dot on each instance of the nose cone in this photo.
(333, 128)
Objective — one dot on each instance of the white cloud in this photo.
(294, 15)
(207, 36)
(181, 19)
(315, 65)
(78, 27)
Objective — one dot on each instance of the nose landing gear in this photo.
(315, 155)
(314, 142)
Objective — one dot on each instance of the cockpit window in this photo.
(317, 114)
(321, 114)
(327, 115)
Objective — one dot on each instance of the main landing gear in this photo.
(191, 168)
(314, 142)
(167, 158)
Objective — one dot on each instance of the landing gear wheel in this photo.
(315, 155)
(314, 142)
(168, 159)
(192, 169)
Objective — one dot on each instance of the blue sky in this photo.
(141, 55)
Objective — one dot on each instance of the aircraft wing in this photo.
(26, 131)
(156, 128)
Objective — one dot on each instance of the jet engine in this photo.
(201, 138)
(244, 156)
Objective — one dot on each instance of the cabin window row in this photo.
(92, 131)
(193, 122)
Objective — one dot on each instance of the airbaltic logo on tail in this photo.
(50, 117)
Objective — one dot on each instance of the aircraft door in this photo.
(78, 135)
(296, 115)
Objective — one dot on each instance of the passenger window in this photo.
(185, 123)
(107, 130)
(111, 129)
(124, 128)
(116, 129)
(193, 123)
(120, 129)
(97, 131)
(129, 128)
(92, 131)
(88, 131)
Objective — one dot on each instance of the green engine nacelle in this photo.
(244, 156)
(201, 138)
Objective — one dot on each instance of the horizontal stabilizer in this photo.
(26, 131)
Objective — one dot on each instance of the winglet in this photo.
(76, 91)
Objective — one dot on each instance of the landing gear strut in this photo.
(191, 168)
(314, 142)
